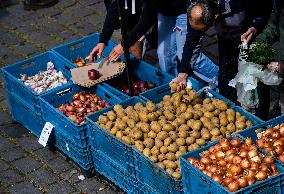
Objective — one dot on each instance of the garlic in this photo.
(44, 80)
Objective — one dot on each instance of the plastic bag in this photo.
(247, 78)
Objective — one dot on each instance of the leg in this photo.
(264, 101)
(166, 43)
(228, 67)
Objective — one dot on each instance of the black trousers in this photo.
(228, 69)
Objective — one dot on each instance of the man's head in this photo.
(202, 14)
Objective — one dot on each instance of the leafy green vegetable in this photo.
(261, 53)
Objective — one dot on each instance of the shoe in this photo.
(38, 4)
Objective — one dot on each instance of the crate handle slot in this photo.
(204, 180)
(265, 186)
(63, 92)
(76, 45)
(160, 74)
(163, 90)
(27, 64)
(67, 68)
(108, 96)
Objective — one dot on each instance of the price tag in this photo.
(45, 133)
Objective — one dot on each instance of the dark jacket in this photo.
(112, 22)
(236, 16)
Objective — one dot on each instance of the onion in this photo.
(275, 173)
(269, 159)
(242, 181)
(237, 160)
(243, 154)
(76, 96)
(230, 152)
(61, 108)
(220, 154)
(217, 178)
(212, 149)
(279, 149)
(249, 173)
(212, 156)
(260, 143)
(222, 163)
(273, 167)
(208, 173)
(200, 166)
(245, 164)
(281, 130)
(254, 165)
(252, 153)
(70, 108)
(251, 181)
(236, 169)
(82, 98)
(213, 168)
(225, 144)
(264, 167)
(261, 175)
(205, 160)
(227, 181)
(77, 103)
(236, 143)
(275, 135)
(278, 142)
(281, 157)
(230, 158)
(234, 186)
(268, 132)
(249, 141)
(191, 160)
(256, 159)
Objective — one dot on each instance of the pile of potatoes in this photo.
(179, 123)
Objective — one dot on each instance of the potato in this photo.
(173, 147)
(241, 119)
(165, 162)
(155, 151)
(223, 130)
(134, 116)
(150, 106)
(178, 154)
(103, 119)
(121, 125)
(152, 116)
(215, 121)
(139, 146)
(197, 107)
(149, 143)
(145, 127)
(190, 140)
(170, 171)
(249, 124)
(111, 115)
(240, 125)
(131, 123)
(171, 156)
(169, 115)
(143, 116)
(215, 132)
(193, 147)
(171, 165)
(168, 141)
(183, 127)
(138, 106)
(109, 125)
(204, 130)
(158, 143)
(231, 127)
(126, 139)
(125, 118)
(216, 112)
(127, 131)
(231, 118)
(176, 175)
(114, 130)
(206, 136)
(121, 113)
(152, 134)
(231, 112)
(167, 98)
(187, 115)
(161, 165)
(180, 141)
(180, 120)
(224, 121)
(209, 115)
(162, 121)
(173, 135)
(147, 152)
(119, 134)
(174, 86)
(164, 149)
(190, 122)
(183, 107)
(117, 108)
(162, 135)
(216, 138)
(137, 134)
(222, 105)
(195, 134)
(209, 107)
(155, 126)
(199, 113)
(207, 101)
(182, 149)
(161, 157)
(196, 125)
(183, 134)
(201, 142)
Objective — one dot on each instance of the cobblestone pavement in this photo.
(25, 166)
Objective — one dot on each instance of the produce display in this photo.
(80, 62)
(235, 164)
(138, 87)
(180, 123)
(83, 103)
(272, 141)
(44, 80)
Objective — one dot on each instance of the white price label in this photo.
(45, 133)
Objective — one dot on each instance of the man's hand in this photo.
(274, 67)
(179, 83)
(116, 53)
(96, 52)
(247, 36)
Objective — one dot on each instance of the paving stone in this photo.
(14, 130)
(11, 58)
(52, 44)
(43, 177)
(3, 165)
(46, 12)
(52, 27)
(65, 34)
(71, 38)
(27, 49)
(5, 144)
(67, 18)
(87, 2)
(4, 105)
(24, 188)
(12, 154)
(60, 187)
(27, 164)
(45, 154)
(65, 4)
(29, 142)
(10, 39)
(10, 177)
(59, 165)
(80, 11)
(26, 29)
(4, 116)
(40, 37)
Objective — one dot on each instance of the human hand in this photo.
(274, 67)
(116, 52)
(248, 34)
(179, 83)
(96, 52)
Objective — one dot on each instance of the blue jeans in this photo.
(171, 39)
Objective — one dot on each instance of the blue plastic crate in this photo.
(195, 181)
(112, 170)
(141, 71)
(76, 133)
(81, 48)
(22, 113)
(110, 145)
(251, 132)
(157, 179)
(156, 95)
(81, 156)
(31, 67)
